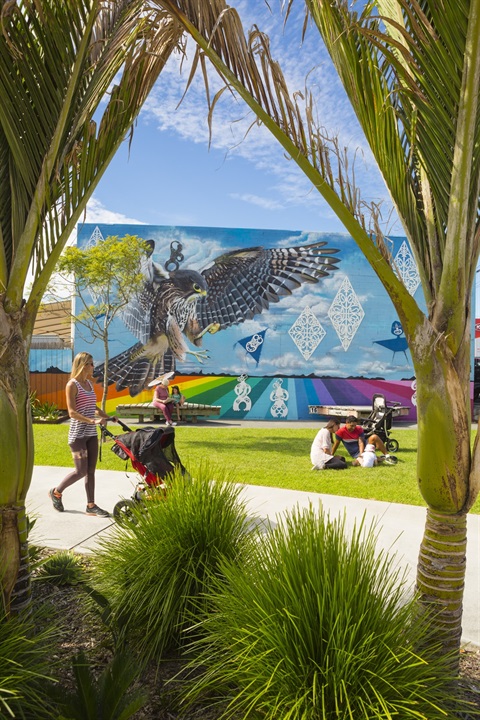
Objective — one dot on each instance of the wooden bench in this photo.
(189, 411)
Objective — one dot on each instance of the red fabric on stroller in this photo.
(151, 451)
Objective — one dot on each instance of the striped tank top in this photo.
(85, 403)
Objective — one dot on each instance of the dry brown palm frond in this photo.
(248, 58)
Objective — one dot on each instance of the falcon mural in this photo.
(184, 305)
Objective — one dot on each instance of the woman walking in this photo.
(82, 436)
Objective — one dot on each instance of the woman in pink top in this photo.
(163, 401)
(82, 436)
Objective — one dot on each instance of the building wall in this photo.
(50, 357)
(55, 318)
(336, 341)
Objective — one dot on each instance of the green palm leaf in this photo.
(406, 66)
(246, 65)
(57, 65)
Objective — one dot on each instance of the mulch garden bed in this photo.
(87, 633)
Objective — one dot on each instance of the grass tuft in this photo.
(26, 665)
(316, 624)
(62, 568)
(155, 572)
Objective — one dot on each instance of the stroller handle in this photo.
(105, 431)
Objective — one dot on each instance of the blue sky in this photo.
(169, 176)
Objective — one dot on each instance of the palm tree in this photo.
(411, 69)
(59, 61)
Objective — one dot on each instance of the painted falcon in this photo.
(185, 304)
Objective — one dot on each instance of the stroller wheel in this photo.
(392, 446)
(123, 512)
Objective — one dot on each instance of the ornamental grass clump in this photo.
(155, 572)
(316, 624)
(26, 665)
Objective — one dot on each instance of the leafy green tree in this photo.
(105, 277)
(73, 78)
(411, 69)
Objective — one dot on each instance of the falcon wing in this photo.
(243, 283)
(136, 315)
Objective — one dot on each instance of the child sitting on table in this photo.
(178, 399)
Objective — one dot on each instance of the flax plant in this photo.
(26, 666)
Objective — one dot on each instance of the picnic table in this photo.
(358, 411)
(188, 412)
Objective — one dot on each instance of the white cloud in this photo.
(290, 362)
(199, 251)
(97, 213)
(263, 202)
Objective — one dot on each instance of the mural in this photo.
(261, 322)
(181, 304)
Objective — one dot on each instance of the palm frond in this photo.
(411, 69)
(417, 102)
(58, 63)
(246, 66)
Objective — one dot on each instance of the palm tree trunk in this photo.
(445, 479)
(441, 574)
(16, 464)
(15, 560)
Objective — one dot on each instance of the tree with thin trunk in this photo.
(411, 69)
(73, 77)
(105, 277)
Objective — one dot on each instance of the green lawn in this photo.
(273, 457)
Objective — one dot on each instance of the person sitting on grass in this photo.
(353, 438)
(321, 451)
(367, 458)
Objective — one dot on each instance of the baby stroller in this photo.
(153, 456)
(379, 422)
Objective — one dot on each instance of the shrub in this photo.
(43, 410)
(25, 667)
(315, 624)
(62, 568)
(110, 697)
(155, 572)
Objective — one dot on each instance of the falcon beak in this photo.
(202, 293)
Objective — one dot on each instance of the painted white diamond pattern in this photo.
(407, 268)
(346, 313)
(307, 333)
(95, 238)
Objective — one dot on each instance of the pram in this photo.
(153, 456)
(380, 420)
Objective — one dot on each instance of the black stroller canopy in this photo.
(153, 447)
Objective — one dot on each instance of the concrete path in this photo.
(400, 526)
